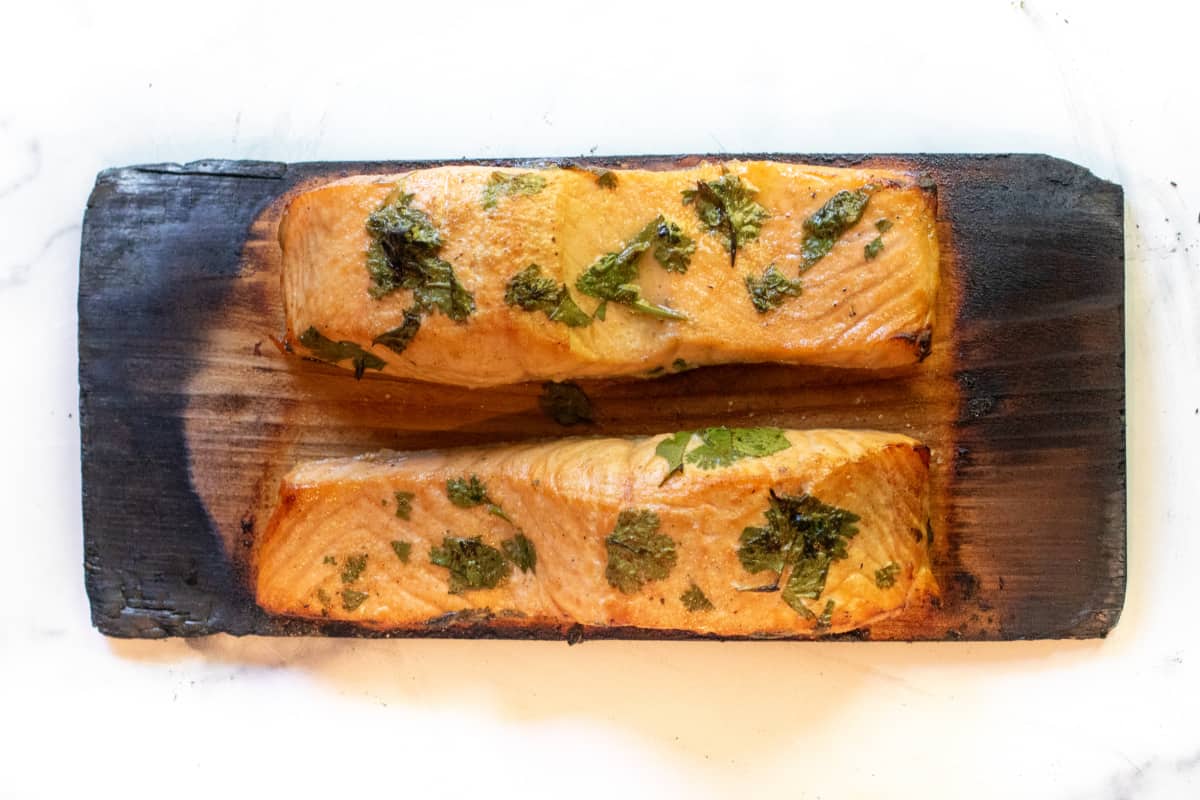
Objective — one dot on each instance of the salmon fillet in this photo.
(752, 261)
(734, 532)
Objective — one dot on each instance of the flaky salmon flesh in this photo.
(481, 276)
(734, 532)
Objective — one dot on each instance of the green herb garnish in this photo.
(873, 248)
(883, 225)
(398, 339)
(520, 551)
(679, 365)
(472, 564)
(352, 599)
(470, 492)
(324, 597)
(726, 207)
(613, 276)
(328, 350)
(826, 617)
(802, 538)
(530, 290)
(637, 552)
(329, 560)
(694, 599)
(771, 289)
(565, 403)
(829, 222)
(606, 178)
(502, 184)
(720, 447)
(885, 576)
(404, 504)
(353, 567)
(402, 550)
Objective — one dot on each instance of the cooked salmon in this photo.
(734, 532)
(481, 276)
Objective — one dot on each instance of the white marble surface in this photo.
(84, 86)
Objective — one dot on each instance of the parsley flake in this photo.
(470, 492)
(873, 248)
(520, 551)
(771, 289)
(613, 276)
(829, 222)
(720, 447)
(404, 504)
(694, 599)
(352, 599)
(530, 290)
(502, 184)
(637, 552)
(353, 567)
(326, 349)
(726, 207)
(885, 576)
(565, 403)
(402, 550)
(472, 564)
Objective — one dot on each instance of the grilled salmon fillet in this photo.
(480, 276)
(734, 532)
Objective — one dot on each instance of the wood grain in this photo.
(190, 413)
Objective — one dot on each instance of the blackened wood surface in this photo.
(189, 413)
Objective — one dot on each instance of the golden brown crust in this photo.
(854, 312)
(566, 497)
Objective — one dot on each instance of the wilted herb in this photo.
(329, 560)
(353, 567)
(606, 179)
(472, 564)
(501, 184)
(613, 276)
(565, 403)
(521, 552)
(470, 492)
(826, 617)
(885, 576)
(402, 550)
(637, 552)
(672, 449)
(802, 538)
(328, 350)
(726, 207)
(883, 225)
(771, 289)
(530, 290)
(352, 599)
(829, 222)
(694, 599)
(404, 504)
(679, 365)
(398, 339)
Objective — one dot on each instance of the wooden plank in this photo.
(189, 413)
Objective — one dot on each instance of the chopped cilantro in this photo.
(672, 449)
(613, 276)
(826, 617)
(328, 350)
(470, 492)
(502, 184)
(873, 248)
(521, 552)
(353, 567)
(637, 552)
(802, 534)
(402, 550)
(404, 504)
(606, 179)
(329, 560)
(771, 289)
(352, 599)
(324, 597)
(530, 290)
(726, 207)
(720, 447)
(565, 403)
(694, 599)
(885, 576)
(472, 564)
(883, 225)
(398, 339)
(830, 221)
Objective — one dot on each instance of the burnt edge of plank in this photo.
(194, 591)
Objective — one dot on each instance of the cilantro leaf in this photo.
(723, 446)
(829, 222)
(613, 276)
(530, 290)
(771, 289)
(726, 207)
(637, 552)
(398, 339)
(502, 184)
(472, 564)
(565, 403)
(694, 599)
(352, 599)
(885, 576)
(402, 549)
(326, 349)
(353, 567)
(606, 179)
(802, 534)
(520, 551)
(404, 504)
(672, 448)
(883, 225)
